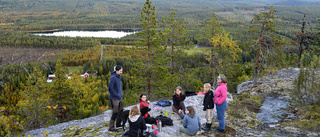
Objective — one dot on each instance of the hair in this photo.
(191, 111)
(142, 95)
(117, 68)
(134, 111)
(180, 88)
(223, 78)
(207, 85)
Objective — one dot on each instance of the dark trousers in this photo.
(176, 109)
(150, 120)
(117, 107)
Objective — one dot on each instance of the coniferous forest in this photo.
(179, 43)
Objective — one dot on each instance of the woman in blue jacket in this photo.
(191, 122)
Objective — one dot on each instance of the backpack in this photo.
(164, 103)
(164, 120)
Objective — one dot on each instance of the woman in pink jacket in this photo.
(220, 99)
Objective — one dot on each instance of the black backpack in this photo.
(164, 120)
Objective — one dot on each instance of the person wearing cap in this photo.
(115, 94)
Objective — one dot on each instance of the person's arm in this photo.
(223, 94)
(175, 101)
(143, 104)
(111, 87)
(182, 98)
(185, 122)
(205, 102)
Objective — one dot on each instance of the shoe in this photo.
(207, 127)
(118, 128)
(113, 131)
(219, 130)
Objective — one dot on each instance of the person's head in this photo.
(118, 69)
(190, 111)
(206, 87)
(134, 111)
(178, 91)
(143, 97)
(222, 78)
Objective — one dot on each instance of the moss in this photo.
(257, 100)
(115, 134)
(107, 124)
(96, 130)
(275, 115)
(97, 134)
(309, 118)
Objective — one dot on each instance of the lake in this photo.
(114, 33)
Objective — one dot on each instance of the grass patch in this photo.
(309, 118)
(73, 68)
(196, 50)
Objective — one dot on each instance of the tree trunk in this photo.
(258, 56)
(300, 52)
(211, 65)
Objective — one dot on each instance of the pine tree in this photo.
(211, 30)
(149, 69)
(263, 23)
(63, 99)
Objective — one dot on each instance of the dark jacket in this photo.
(208, 102)
(137, 125)
(115, 90)
(177, 99)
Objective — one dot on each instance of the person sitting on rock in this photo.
(145, 103)
(191, 122)
(208, 105)
(178, 104)
(136, 123)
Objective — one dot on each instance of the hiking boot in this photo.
(207, 127)
(219, 130)
(113, 131)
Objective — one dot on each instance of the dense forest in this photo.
(242, 39)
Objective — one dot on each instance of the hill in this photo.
(72, 5)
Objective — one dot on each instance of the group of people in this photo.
(191, 122)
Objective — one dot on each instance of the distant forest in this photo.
(234, 16)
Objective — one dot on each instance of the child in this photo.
(208, 105)
(178, 105)
(145, 103)
(191, 122)
(136, 122)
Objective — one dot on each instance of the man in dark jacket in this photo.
(115, 94)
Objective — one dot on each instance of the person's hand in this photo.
(180, 111)
(148, 101)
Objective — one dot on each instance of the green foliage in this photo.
(266, 44)
(149, 67)
(15, 39)
(62, 96)
(35, 101)
(307, 85)
(310, 118)
(243, 111)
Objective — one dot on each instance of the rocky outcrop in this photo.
(97, 125)
(272, 85)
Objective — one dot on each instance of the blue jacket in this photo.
(115, 90)
(192, 125)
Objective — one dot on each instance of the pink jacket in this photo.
(220, 95)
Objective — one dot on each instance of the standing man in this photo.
(115, 94)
